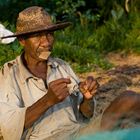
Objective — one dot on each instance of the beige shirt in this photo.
(19, 89)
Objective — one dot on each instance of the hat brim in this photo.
(51, 28)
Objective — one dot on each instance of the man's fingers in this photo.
(89, 86)
(90, 78)
(60, 81)
(93, 92)
(89, 81)
(82, 87)
(65, 93)
(60, 86)
(94, 85)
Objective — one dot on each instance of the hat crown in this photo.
(35, 19)
(32, 19)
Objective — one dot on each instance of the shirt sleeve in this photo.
(75, 89)
(11, 121)
(12, 111)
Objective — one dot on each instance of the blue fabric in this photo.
(125, 134)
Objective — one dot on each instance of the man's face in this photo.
(38, 45)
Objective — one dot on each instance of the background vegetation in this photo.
(99, 27)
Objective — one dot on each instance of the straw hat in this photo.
(35, 19)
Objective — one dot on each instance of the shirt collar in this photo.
(52, 63)
(26, 74)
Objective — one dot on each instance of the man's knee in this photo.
(128, 103)
(126, 100)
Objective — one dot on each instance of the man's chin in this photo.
(44, 55)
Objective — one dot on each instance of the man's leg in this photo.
(126, 106)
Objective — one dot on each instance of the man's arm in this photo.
(36, 110)
(57, 92)
(87, 107)
(88, 88)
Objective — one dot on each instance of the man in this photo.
(40, 97)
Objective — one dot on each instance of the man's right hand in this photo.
(58, 90)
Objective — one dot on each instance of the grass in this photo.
(85, 47)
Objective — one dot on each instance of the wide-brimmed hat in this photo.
(35, 19)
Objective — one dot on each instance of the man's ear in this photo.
(21, 41)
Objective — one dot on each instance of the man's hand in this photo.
(89, 87)
(58, 90)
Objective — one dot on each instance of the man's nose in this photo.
(44, 40)
(47, 40)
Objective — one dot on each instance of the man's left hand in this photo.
(89, 87)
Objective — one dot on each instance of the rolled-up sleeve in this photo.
(11, 121)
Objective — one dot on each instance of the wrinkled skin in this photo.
(37, 43)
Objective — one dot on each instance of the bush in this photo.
(75, 46)
(85, 43)
(132, 40)
(9, 52)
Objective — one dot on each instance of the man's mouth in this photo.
(43, 52)
(44, 55)
(43, 49)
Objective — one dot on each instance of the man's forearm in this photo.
(87, 107)
(35, 111)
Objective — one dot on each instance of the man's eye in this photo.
(32, 35)
(36, 34)
(50, 34)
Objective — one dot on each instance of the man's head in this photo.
(34, 29)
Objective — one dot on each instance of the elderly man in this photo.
(40, 96)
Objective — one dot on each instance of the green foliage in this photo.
(62, 9)
(120, 32)
(68, 8)
(9, 52)
(87, 18)
(98, 28)
(110, 36)
(132, 40)
(74, 46)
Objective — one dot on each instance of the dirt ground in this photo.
(125, 75)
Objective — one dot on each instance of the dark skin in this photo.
(57, 90)
(126, 105)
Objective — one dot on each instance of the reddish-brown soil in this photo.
(125, 75)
